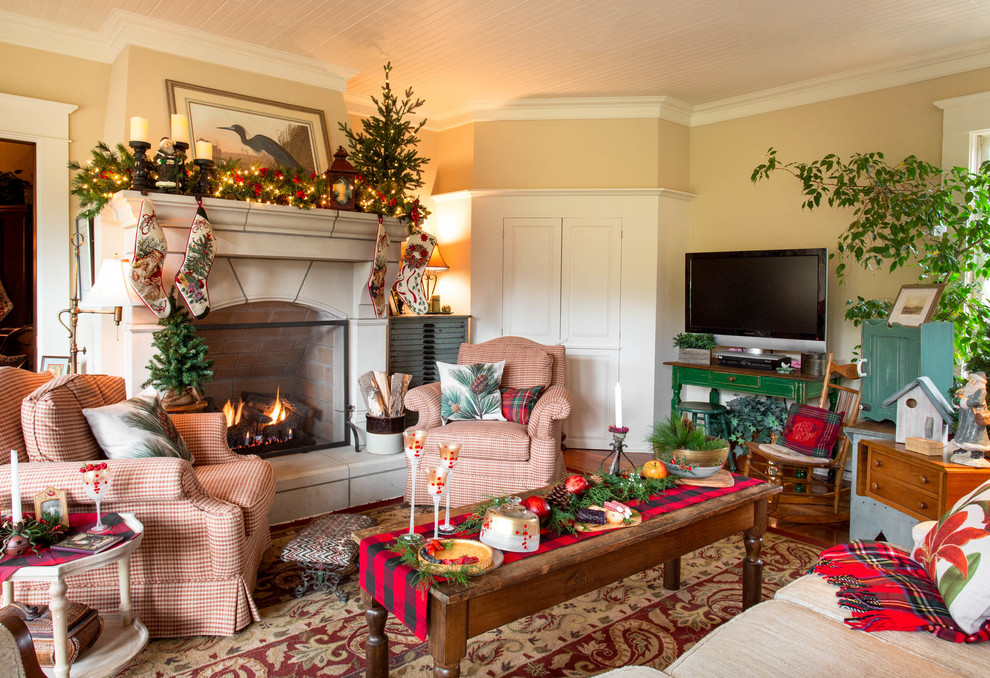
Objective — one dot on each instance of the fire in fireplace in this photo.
(266, 423)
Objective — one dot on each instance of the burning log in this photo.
(264, 418)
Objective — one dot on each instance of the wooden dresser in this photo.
(920, 486)
(417, 342)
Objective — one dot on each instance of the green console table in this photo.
(795, 386)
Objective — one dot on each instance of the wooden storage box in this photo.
(694, 356)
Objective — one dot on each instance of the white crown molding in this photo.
(562, 193)
(597, 108)
(125, 28)
(981, 99)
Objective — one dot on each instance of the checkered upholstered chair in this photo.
(206, 523)
(499, 456)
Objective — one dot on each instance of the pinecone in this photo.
(559, 496)
(595, 480)
(480, 384)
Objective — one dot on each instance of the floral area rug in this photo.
(633, 621)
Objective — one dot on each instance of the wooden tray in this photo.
(721, 479)
(635, 519)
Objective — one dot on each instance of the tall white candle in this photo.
(204, 149)
(180, 128)
(618, 405)
(139, 129)
(15, 489)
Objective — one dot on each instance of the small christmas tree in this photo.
(384, 155)
(181, 365)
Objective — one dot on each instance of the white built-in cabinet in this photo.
(562, 286)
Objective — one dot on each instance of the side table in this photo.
(123, 636)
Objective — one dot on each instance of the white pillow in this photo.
(139, 427)
(470, 391)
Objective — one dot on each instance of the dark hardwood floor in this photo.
(588, 461)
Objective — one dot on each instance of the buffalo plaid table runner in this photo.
(888, 591)
(78, 522)
(393, 584)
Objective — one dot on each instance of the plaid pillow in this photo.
(811, 430)
(517, 403)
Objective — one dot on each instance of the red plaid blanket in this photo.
(888, 591)
(78, 522)
(394, 585)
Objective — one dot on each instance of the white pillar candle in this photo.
(618, 405)
(139, 129)
(180, 128)
(15, 489)
(204, 149)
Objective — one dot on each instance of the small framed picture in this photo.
(51, 502)
(56, 364)
(915, 304)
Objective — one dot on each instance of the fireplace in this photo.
(280, 377)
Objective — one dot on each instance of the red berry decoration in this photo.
(538, 505)
(576, 484)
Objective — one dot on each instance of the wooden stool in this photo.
(715, 420)
(325, 551)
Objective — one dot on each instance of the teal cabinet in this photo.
(895, 355)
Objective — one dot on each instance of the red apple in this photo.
(537, 505)
(576, 484)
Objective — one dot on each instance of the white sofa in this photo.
(800, 633)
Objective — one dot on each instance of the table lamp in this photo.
(435, 265)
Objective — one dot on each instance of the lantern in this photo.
(341, 177)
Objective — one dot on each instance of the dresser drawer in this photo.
(925, 479)
(905, 498)
(729, 380)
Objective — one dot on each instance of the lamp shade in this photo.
(111, 288)
(436, 262)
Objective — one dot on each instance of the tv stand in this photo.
(795, 386)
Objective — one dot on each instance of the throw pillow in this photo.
(517, 403)
(139, 427)
(524, 367)
(952, 553)
(470, 391)
(811, 430)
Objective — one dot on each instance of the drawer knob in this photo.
(922, 505)
(924, 480)
(732, 379)
(877, 463)
(874, 486)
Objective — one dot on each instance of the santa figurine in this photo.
(971, 441)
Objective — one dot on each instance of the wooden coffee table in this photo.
(456, 613)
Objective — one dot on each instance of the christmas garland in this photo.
(109, 171)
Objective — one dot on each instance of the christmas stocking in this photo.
(6, 305)
(409, 285)
(376, 283)
(201, 250)
(146, 264)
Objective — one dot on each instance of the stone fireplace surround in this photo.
(315, 260)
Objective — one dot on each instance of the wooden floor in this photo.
(588, 461)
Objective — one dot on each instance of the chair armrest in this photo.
(425, 399)
(553, 405)
(206, 436)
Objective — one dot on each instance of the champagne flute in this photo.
(414, 439)
(436, 481)
(449, 452)
(96, 483)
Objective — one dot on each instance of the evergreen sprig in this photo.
(180, 360)
(428, 574)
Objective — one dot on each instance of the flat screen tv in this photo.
(764, 299)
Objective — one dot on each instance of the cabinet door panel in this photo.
(531, 279)
(590, 262)
(591, 376)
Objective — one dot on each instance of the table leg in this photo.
(447, 636)
(376, 646)
(124, 577)
(715, 397)
(753, 565)
(675, 386)
(60, 633)
(672, 574)
(8, 593)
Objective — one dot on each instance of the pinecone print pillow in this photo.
(470, 391)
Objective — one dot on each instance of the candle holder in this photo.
(614, 460)
(413, 440)
(139, 175)
(203, 187)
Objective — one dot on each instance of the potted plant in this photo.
(694, 348)
(687, 450)
(755, 419)
(180, 366)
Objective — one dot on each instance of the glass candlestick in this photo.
(449, 452)
(436, 481)
(96, 483)
(413, 439)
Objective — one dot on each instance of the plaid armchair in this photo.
(206, 523)
(498, 456)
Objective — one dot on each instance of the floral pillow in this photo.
(517, 403)
(470, 391)
(139, 427)
(811, 430)
(952, 552)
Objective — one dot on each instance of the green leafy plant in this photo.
(754, 419)
(909, 214)
(694, 340)
(180, 362)
(675, 433)
(46, 531)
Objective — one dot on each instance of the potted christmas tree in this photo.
(180, 367)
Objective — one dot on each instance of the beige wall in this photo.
(731, 213)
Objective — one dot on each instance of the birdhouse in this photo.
(341, 176)
(922, 411)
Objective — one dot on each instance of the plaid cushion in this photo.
(811, 430)
(15, 385)
(517, 403)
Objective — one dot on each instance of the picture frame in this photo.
(252, 130)
(58, 365)
(915, 305)
(52, 500)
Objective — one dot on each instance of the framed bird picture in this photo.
(252, 130)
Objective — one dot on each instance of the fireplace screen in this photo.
(280, 377)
